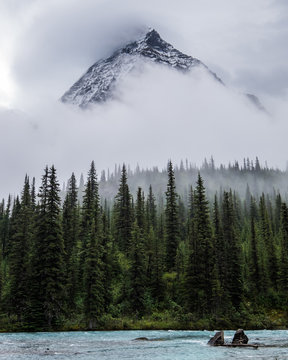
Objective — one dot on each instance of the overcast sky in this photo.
(45, 46)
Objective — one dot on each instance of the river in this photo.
(117, 345)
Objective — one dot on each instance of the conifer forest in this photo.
(178, 248)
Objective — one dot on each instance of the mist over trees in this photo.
(249, 177)
(212, 244)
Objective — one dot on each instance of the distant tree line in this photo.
(136, 256)
(248, 177)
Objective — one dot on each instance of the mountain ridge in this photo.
(99, 82)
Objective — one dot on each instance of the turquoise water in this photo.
(116, 345)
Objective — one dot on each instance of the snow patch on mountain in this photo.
(99, 82)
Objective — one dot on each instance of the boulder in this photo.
(141, 339)
(240, 337)
(217, 339)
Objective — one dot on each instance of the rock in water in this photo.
(217, 339)
(240, 337)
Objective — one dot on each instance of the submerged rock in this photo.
(240, 337)
(217, 339)
(141, 339)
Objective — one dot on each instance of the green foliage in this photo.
(47, 292)
(94, 303)
(20, 248)
(171, 219)
(181, 263)
(123, 213)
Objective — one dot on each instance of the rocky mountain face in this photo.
(101, 79)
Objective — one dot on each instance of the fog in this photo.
(157, 114)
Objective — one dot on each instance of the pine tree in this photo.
(90, 215)
(123, 213)
(47, 290)
(219, 272)
(94, 303)
(283, 274)
(19, 254)
(151, 212)
(138, 280)
(5, 228)
(200, 264)
(234, 280)
(268, 244)
(155, 276)
(140, 210)
(70, 225)
(108, 257)
(171, 219)
(91, 260)
(255, 261)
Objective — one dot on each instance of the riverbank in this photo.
(273, 320)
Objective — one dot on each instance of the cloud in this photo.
(58, 40)
(159, 114)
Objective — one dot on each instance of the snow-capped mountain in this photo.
(101, 79)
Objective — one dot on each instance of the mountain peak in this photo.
(153, 38)
(101, 79)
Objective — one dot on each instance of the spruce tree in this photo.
(94, 303)
(138, 280)
(171, 220)
(90, 217)
(47, 289)
(5, 228)
(123, 211)
(255, 261)
(70, 225)
(151, 209)
(155, 276)
(200, 263)
(108, 257)
(140, 210)
(283, 274)
(19, 254)
(92, 250)
(234, 269)
(219, 272)
(268, 244)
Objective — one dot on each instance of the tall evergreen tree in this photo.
(123, 213)
(70, 225)
(234, 280)
(94, 302)
(138, 280)
(171, 219)
(283, 274)
(140, 210)
(5, 228)
(108, 257)
(255, 261)
(200, 264)
(47, 290)
(219, 274)
(151, 209)
(268, 243)
(19, 254)
(90, 216)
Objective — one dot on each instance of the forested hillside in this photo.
(247, 178)
(210, 249)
